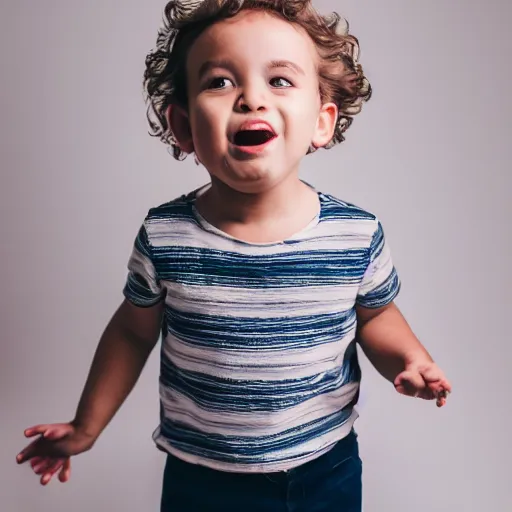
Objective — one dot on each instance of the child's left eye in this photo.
(280, 82)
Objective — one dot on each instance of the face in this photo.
(254, 103)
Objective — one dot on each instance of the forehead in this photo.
(253, 37)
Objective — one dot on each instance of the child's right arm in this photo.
(120, 357)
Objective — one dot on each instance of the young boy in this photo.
(259, 284)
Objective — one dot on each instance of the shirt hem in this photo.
(268, 467)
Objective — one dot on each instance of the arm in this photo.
(396, 353)
(120, 357)
(388, 341)
(117, 364)
(384, 335)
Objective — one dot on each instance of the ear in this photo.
(178, 120)
(326, 124)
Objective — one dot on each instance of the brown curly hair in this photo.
(341, 76)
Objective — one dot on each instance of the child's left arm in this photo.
(397, 354)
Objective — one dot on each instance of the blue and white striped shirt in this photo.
(259, 368)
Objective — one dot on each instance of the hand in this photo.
(51, 451)
(425, 380)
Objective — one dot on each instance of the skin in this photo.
(275, 79)
(235, 75)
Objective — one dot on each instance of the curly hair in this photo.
(341, 77)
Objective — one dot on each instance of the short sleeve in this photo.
(142, 286)
(380, 284)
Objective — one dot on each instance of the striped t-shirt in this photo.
(259, 368)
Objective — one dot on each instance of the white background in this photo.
(430, 154)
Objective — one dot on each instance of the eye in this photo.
(219, 83)
(280, 82)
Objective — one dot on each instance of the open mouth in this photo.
(248, 138)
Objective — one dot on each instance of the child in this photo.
(257, 282)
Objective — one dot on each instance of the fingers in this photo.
(35, 461)
(426, 394)
(36, 430)
(54, 466)
(426, 381)
(441, 398)
(445, 386)
(410, 383)
(438, 384)
(435, 377)
(65, 472)
(47, 467)
(42, 465)
(28, 452)
(38, 451)
(50, 431)
(438, 391)
(58, 431)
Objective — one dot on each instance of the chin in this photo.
(250, 186)
(250, 177)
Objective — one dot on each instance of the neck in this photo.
(225, 204)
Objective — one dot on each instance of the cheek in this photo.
(304, 105)
(208, 127)
(302, 120)
(312, 109)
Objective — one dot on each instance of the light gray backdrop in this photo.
(430, 155)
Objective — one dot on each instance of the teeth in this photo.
(252, 137)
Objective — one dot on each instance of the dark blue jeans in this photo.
(329, 483)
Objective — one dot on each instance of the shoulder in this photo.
(335, 210)
(176, 208)
(169, 216)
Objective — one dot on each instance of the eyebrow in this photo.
(212, 64)
(286, 64)
(226, 64)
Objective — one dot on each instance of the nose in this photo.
(252, 99)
